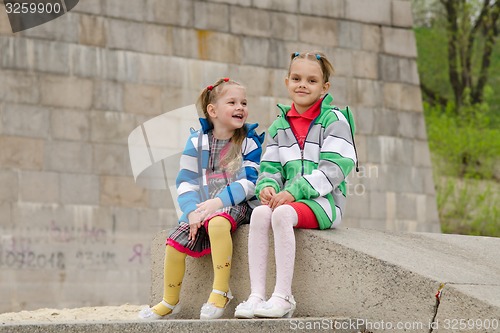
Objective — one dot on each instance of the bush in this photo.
(462, 145)
(468, 206)
(465, 149)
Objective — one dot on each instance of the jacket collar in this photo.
(325, 105)
(205, 127)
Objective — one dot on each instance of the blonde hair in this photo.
(320, 57)
(232, 161)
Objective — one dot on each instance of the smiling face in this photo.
(305, 83)
(230, 110)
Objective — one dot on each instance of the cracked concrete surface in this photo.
(384, 281)
(361, 273)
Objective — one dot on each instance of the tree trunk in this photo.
(461, 40)
(490, 32)
(451, 7)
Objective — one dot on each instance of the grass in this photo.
(469, 206)
(464, 145)
(465, 152)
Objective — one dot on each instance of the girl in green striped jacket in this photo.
(301, 183)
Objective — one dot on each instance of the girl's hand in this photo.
(209, 207)
(195, 222)
(281, 198)
(266, 194)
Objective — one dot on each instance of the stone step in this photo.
(340, 325)
(385, 277)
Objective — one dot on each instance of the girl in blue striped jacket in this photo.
(216, 187)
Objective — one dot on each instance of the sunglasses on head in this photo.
(306, 55)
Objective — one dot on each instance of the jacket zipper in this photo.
(302, 161)
(308, 130)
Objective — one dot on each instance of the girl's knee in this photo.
(174, 255)
(219, 224)
(262, 210)
(284, 215)
(261, 217)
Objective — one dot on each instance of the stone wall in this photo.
(75, 229)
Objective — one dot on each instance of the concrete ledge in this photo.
(360, 273)
(339, 325)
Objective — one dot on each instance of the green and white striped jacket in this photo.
(315, 175)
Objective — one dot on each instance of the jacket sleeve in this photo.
(337, 159)
(243, 188)
(271, 170)
(187, 182)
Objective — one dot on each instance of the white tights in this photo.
(282, 220)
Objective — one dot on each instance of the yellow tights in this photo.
(221, 243)
(175, 266)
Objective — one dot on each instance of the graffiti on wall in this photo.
(60, 247)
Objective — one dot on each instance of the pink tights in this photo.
(282, 220)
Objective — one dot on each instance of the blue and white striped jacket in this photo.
(194, 164)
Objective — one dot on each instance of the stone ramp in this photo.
(469, 267)
(187, 326)
(360, 273)
(388, 280)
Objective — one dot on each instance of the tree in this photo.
(472, 30)
(425, 12)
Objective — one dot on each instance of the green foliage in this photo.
(493, 98)
(468, 206)
(432, 64)
(432, 60)
(464, 140)
(462, 146)
(465, 151)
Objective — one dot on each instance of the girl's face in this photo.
(305, 83)
(230, 110)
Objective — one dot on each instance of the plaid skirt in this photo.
(217, 181)
(200, 246)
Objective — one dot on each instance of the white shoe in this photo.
(270, 310)
(210, 311)
(246, 309)
(149, 314)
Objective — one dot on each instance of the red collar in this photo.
(310, 113)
